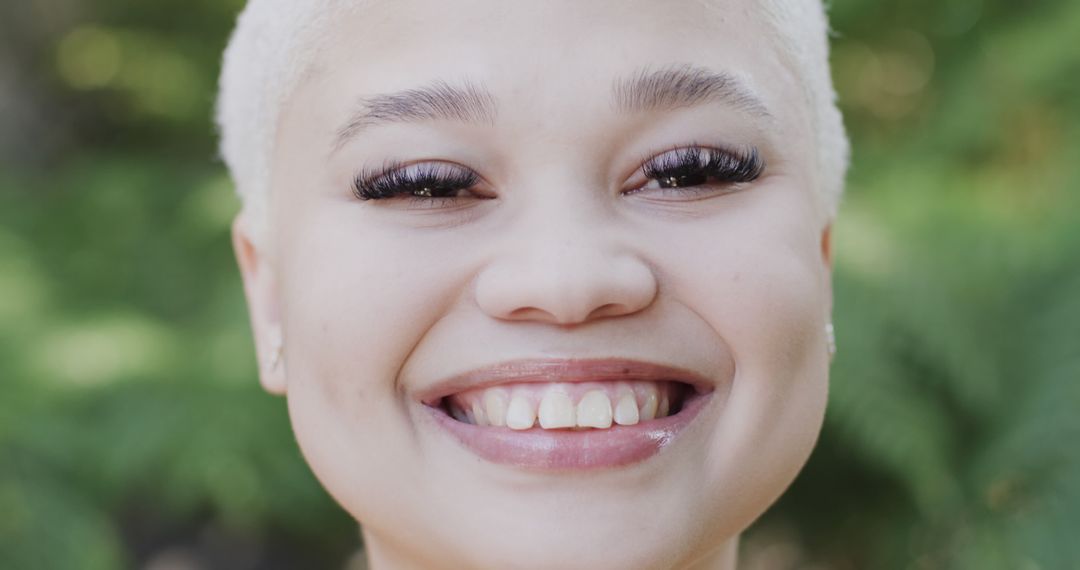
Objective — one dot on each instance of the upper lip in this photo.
(562, 370)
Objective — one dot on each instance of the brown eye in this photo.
(682, 180)
(695, 166)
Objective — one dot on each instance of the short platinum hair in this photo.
(275, 42)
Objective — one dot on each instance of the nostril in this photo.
(533, 313)
(610, 309)
(530, 313)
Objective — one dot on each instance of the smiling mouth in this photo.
(568, 415)
(567, 405)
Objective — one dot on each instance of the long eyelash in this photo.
(731, 165)
(393, 180)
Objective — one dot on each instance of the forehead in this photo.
(550, 68)
(546, 56)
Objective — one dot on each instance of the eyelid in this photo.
(398, 168)
(748, 152)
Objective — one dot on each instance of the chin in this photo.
(588, 538)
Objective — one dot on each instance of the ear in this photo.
(827, 260)
(826, 246)
(261, 291)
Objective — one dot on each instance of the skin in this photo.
(376, 301)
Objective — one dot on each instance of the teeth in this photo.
(520, 414)
(479, 415)
(648, 409)
(594, 410)
(562, 405)
(626, 411)
(495, 403)
(557, 410)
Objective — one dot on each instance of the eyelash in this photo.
(704, 165)
(426, 183)
(394, 179)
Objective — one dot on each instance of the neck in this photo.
(724, 557)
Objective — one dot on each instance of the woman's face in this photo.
(527, 241)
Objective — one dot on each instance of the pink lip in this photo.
(555, 450)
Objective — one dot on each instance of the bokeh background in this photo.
(133, 433)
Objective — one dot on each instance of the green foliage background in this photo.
(133, 433)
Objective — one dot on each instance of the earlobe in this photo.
(260, 290)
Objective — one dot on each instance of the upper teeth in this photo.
(564, 405)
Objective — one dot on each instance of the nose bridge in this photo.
(565, 265)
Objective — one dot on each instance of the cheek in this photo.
(356, 306)
(756, 274)
(767, 306)
(359, 297)
(760, 284)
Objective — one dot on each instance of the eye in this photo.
(697, 169)
(430, 184)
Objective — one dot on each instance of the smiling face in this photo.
(585, 211)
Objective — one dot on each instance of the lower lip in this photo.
(563, 450)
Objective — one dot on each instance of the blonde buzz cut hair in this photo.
(275, 42)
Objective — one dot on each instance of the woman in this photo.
(546, 285)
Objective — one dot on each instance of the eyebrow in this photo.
(681, 86)
(437, 101)
(646, 90)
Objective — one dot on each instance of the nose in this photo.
(565, 273)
